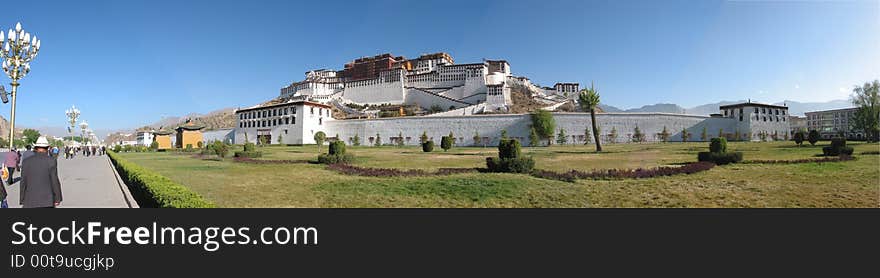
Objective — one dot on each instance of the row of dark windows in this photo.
(268, 123)
(267, 113)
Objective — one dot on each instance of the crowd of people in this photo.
(39, 183)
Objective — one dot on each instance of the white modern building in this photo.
(144, 138)
(291, 122)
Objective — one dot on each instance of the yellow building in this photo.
(163, 137)
(189, 134)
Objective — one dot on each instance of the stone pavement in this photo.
(89, 182)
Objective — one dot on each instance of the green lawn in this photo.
(230, 184)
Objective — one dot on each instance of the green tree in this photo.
(664, 135)
(799, 137)
(446, 143)
(424, 137)
(561, 138)
(319, 139)
(704, 135)
(720, 133)
(612, 136)
(544, 124)
(504, 134)
(452, 138)
(279, 139)
(639, 137)
(813, 137)
(30, 136)
(476, 138)
(867, 116)
(589, 100)
(400, 139)
(685, 135)
(356, 141)
(533, 137)
(378, 141)
(587, 136)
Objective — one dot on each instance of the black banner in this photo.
(422, 242)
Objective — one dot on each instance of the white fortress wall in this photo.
(374, 91)
(425, 99)
(517, 126)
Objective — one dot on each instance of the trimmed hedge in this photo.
(249, 154)
(639, 173)
(391, 172)
(720, 158)
(718, 145)
(428, 146)
(335, 158)
(510, 165)
(153, 190)
(337, 148)
(838, 147)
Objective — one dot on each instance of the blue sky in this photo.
(128, 63)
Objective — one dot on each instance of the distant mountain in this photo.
(794, 108)
(221, 118)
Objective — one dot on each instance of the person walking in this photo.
(11, 162)
(40, 187)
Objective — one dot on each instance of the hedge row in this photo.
(153, 190)
(390, 172)
(720, 158)
(639, 173)
(805, 160)
(249, 154)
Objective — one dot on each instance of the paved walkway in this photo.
(89, 182)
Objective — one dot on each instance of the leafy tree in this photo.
(664, 135)
(587, 136)
(264, 140)
(378, 141)
(704, 135)
(685, 135)
(813, 137)
(638, 136)
(319, 138)
(476, 138)
(589, 100)
(612, 136)
(424, 137)
(799, 137)
(544, 124)
(452, 137)
(867, 117)
(356, 141)
(446, 143)
(154, 145)
(533, 137)
(30, 136)
(561, 138)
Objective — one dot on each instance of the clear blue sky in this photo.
(128, 63)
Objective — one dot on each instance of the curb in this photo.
(122, 186)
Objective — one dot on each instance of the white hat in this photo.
(42, 142)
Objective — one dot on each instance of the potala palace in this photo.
(392, 99)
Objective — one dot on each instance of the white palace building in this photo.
(477, 96)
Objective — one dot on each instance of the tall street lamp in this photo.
(72, 115)
(83, 126)
(18, 50)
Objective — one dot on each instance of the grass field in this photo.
(231, 184)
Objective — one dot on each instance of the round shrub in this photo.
(718, 145)
(838, 147)
(509, 148)
(813, 137)
(446, 143)
(799, 137)
(428, 146)
(249, 147)
(337, 148)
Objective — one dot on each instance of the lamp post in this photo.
(18, 50)
(72, 115)
(83, 126)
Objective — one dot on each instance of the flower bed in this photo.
(639, 173)
(390, 172)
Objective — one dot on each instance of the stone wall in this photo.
(490, 127)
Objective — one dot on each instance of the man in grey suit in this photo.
(40, 187)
